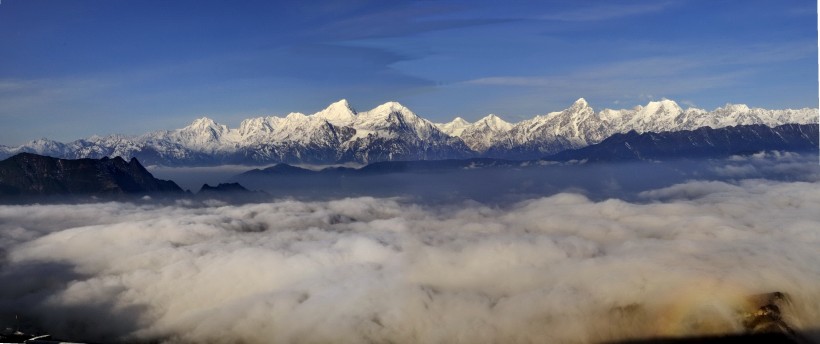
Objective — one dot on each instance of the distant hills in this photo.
(223, 188)
(384, 167)
(392, 132)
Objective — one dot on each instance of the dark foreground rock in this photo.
(28, 175)
(764, 320)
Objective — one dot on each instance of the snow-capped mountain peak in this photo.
(390, 107)
(494, 123)
(482, 134)
(342, 104)
(454, 127)
(738, 108)
(391, 131)
(295, 116)
(576, 125)
(258, 126)
(579, 104)
(458, 122)
(385, 114)
(664, 106)
(45, 145)
(202, 123)
(391, 119)
(203, 134)
(338, 113)
(205, 127)
(657, 116)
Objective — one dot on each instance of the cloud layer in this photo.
(555, 269)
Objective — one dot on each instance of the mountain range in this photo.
(28, 177)
(632, 162)
(703, 142)
(392, 132)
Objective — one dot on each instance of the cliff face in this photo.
(30, 174)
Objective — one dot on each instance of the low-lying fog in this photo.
(506, 185)
(569, 265)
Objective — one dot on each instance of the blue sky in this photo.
(71, 69)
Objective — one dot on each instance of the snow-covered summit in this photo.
(392, 131)
(480, 135)
(202, 133)
(339, 113)
(259, 126)
(494, 123)
(656, 116)
(575, 126)
(454, 127)
(580, 103)
(391, 107)
(204, 124)
(392, 118)
(662, 107)
(737, 108)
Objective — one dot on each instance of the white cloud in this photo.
(557, 269)
(770, 164)
(607, 11)
(692, 69)
(691, 190)
(609, 81)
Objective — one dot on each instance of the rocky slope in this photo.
(27, 174)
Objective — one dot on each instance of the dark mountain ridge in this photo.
(703, 142)
(222, 188)
(27, 174)
(383, 167)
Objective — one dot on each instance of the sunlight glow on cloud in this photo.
(562, 268)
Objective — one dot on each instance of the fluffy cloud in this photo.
(562, 268)
(772, 164)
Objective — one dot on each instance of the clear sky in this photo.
(73, 68)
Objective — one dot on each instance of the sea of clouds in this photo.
(679, 260)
